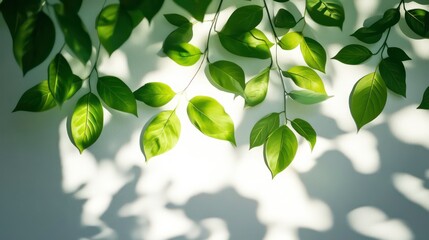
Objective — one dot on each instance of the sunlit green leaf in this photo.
(36, 99)
(263, 128)
(418, 21)
(161, 134)
(197, 8)
(256, 88)
(176, 19)
(367, 35)
(76, 85)
(227, 76)
(209, 116)
(307, 96)
(305, 77)
(304, 129)
(183, 34)
(326, 12)
(184, 54)
(291, 40)
(367, 99)
(280, 149)
(284, 19)
(425, 100)
(314, 54)
(86, 121)
(252, 44)
(397, 54)
(60, 79)
(116, 94)
(393, 73)
(242, 20)
(155, 94)
(353, 54)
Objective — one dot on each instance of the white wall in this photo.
(368, 185)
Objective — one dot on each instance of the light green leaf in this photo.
(155, 94)
(76, 85)
(397, 54)
(114, 27)
(161, 134)
(184, 54)
(307, 96)
(36, 99)
(209, 116)
(306, 78)
(353, 54)
(256, 89)
(284, 19)
(314, 54)
(280, 149)
(86, 121)
(326, 12)
(197, 8)
(116, 94)
(418, 21)
(304, 129)
(291, 40)
(367, 35)
(176, 19)
(263, 128)
(227, 76)
(243, 19)
(60, 79)
(425, 100)
(393, 73)
(367, 99)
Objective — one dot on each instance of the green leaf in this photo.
(326, 12)
(114, 26)
(33, 41)
(75, 33)
(116, 94)
(15, 12)
(36, 99)
(390, 18)
(305, 77)
(367, 99)
(150, 8)
(284, 19)
(263, 128)
(155, 94)
(86, 121)
(393, 73)
(314, 54)
(425, 101)
(418, 21)
(130, 4)
(176, 19)
(242, 20)
(281, 0)
(183, 34)
(280, 149)
(308, 97)
(291, 40)
(209, 116)
(397, 54)
(161, 134)
(60, 79)
(197, 8)
(256, 88)
(367, 35)
(353, 54)
(304, 129)
(252, 44)
(76, 85)
(184, 54)
(227, 76)
(72, 5)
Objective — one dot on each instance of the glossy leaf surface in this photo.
(36, 99)
(305, 129)
(326, 12)
(291, 40)
(418, 21)
(252, 44)
(242, 20)
(306, 78)
(60, 79)
(263, 128)
(116, 94)
(155, 94)
(308, 97)
(353, 54)
(256, 88)
(314, 54)
(227, 76)
(393, 73)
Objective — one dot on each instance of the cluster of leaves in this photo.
(33, 35)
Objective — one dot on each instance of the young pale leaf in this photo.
(284, 19)
(326, 12)
(367, 99)
(60, 79)
(176, 19)
(86, 121)
(184, 54)
(306, 78)
(243, 20)
(304, 129)
(114, 27)
(256, 89)
(227, 76)
(263, 128)
(116, 94)
(314, 54)
(197, 8)
(280, 149)
(367, 35)
(33, 41)
(425, 101)
(252, 44)
(209, 116)
(291, 40)
(36, 99)
(308, 97)
(418, 21)
(155, 94)
(393, 73)
(161, 134)
(397, 54)
(353, 54)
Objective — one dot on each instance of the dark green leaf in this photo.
(418, 21)
(183, 34)
(314, 54)
(72, 5)
(284, 19)
(243, 20)
(305, 77)
(256, 89)
(15, 12)
(281, 0)
(252, 44)
(390, 18)
(114, 27)
(291, 40)
(130, 4)
(263, 128)
(308, 97)
(155, 94)
(86, 121)
(116, 94)
(367, 35)
(326, 12)
(60, 79)
(304, 129)
(161, 135)
(393, 73)
(353, 54)
(367, 99)
(150, 8)
(208, 116)
(36, 99)
(280, 149)
(397, 54)
(176, 19)
(425, 101)
(197, 8)
(227, 76)
(184, 54)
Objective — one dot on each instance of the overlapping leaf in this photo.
(263, 128)
(242, 20)
(36, 99)
(418, 21)
(326, 12)
(307, 96)
(253, 44)
(60, 79)
(291, 40)
(197, 8)
(306, 78)
(314, 54)
(304, 129)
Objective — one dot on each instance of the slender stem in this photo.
(384, 45)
